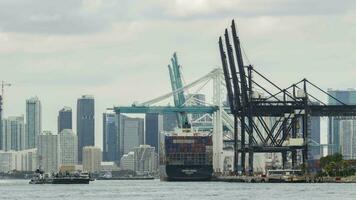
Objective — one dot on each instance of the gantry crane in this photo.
(290, 109)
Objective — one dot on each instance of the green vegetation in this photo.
(335, 165)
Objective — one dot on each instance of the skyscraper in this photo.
(68, 147)
(154, 125)
(341, 130)
(110, 137)
(169, 121)
(13, 133)
(48, 151)
(33, 122)
(314, 136)
(131, 134)
(85, 123)
(64, 119)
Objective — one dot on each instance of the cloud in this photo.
(90, 16)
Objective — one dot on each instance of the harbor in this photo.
(180, 99)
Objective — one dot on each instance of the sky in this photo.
(118, 50)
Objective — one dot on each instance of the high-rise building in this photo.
(131, 134)
(170, 121)
(315, 150)
(85, 123)
(64, 119)
(111, 150)
(48, 151)
(347, 135)
(33, 122)
(91, 158)
(154, 126)
(340, 129)
(13, 134)
(68, 147)
(144, 159)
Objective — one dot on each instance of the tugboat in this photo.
(68, 178)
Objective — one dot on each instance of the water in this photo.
(155, 189)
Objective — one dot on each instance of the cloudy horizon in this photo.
(118, 50)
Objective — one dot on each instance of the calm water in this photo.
(154, 189)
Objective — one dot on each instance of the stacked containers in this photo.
(190, 150)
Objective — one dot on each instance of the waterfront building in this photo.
(7, 161)
(68, 147)
(341, 130)
(13, 137)
(92, 158)
(144, 159)
(33, 122)
(64, 119)
(25, 160)
(127, 161)
(48, 151)
(111, 150)
(131, 134)
(85, 123)
(154, 126)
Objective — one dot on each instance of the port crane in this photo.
(177, 83)
(276, 123)
(182, 106)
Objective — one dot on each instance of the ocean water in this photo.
(155, 189)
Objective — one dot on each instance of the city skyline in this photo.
(49, 51)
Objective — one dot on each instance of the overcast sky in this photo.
(118, 50)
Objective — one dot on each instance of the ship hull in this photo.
(71, 181)
(186, 172)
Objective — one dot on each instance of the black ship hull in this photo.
(186, 172)
(71, 181)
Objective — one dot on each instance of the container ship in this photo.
(186, 156)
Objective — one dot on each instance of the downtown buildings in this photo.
(64, 119)
(68, 142)
(48, 151)
(342, 130)
(154, 126)
(92, 158)
(131, 134)
(111, 150)
(85, 123)
(33, 122)
(13, 134)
